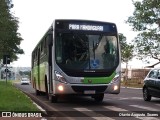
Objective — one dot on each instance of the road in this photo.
(114, 107)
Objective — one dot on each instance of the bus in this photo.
(77, 57)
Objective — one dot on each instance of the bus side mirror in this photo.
(158, 77)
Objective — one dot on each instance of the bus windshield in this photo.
(80, 51)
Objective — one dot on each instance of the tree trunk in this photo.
(126, 74)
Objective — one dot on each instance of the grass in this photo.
(12, 99)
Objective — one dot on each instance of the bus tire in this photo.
(53, 99)
(98, 97)
(38, 92)
(46, 88)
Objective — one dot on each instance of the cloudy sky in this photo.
(35, 17)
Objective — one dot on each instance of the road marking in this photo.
(138, 98)
(157, 104)
(132, 88)
(123, 98)
(113, 108)
(143, 107)
(39, 107)
(129, 98)
(91, 113)
(147, 118)
(146, 108)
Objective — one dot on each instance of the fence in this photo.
(134, 76)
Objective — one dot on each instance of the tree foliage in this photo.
(126, 49)
(146, 20)
(126, 52)
(10, 39)
(25, 73)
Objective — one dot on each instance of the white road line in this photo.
(147, 118)
(39, 107)
(138, 98)
(129, 98)
(143, 107)
(91, 113)
(157, 104)
(113, 108)
(146, 108)
(132, 88)
(123, 98)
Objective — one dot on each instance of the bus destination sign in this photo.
(85, 27)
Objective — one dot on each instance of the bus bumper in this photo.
(113, 88)
(63, 88)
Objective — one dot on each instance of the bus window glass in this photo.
(86, 51)
(59, 51)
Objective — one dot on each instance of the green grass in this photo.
(12, 99)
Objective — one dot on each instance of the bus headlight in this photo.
(60, 88)
(115, 87)
(60, 77)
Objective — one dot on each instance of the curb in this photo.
(132, 88)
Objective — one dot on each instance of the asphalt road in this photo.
(127, 105)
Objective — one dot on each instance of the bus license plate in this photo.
(89, 92)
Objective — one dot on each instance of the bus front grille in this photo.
(81, 89)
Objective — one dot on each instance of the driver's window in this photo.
(159, 74)
(153, 74)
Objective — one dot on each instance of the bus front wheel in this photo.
(98, 97)
(53, 98)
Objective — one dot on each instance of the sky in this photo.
(35, 17)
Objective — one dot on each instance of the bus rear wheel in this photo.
(46, 88)
(38, 92)
(98, 97)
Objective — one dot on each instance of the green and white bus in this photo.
(77, 57)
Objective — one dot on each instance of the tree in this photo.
(126, 49)
(146, 20)
(10, 39)
(126, 52)
(25, 73)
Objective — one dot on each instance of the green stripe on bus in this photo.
(98, 80)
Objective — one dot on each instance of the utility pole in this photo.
(1, 66)
(0, 69)
(6, 60)
(6, 69)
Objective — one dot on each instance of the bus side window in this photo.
(36, 54)
(42, 47)
(49, 39)
(59, 50)
(33, 57)
(44, 43)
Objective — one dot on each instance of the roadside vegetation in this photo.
(10, 38)
(146, 22)
(132, 83)
(12, 99)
